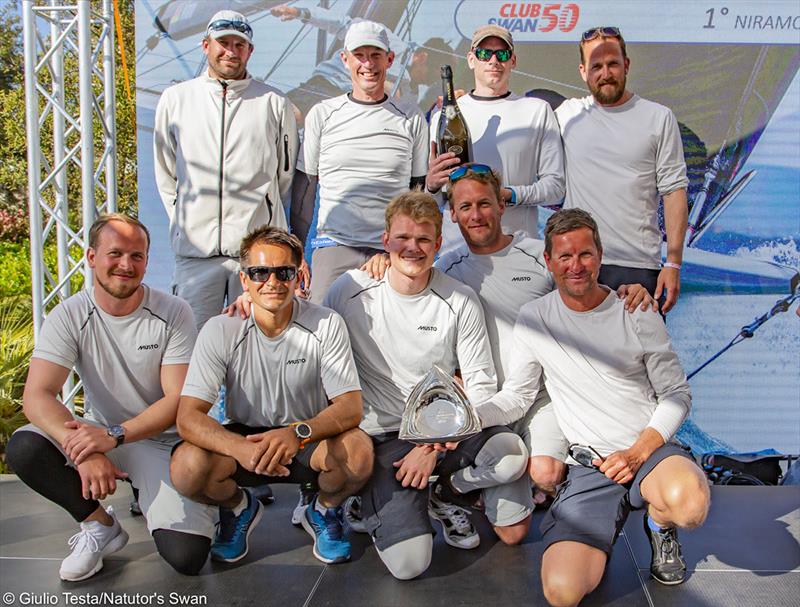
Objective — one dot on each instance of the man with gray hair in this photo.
(363, 148)
(225, 147)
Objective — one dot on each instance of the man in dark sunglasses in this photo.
(515, 134)
(624, 155)
(292, 398)
(225, 147)
(619, 394)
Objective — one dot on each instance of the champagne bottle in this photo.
(453, 134)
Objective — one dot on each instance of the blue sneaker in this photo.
(330, 543)
(230, 543)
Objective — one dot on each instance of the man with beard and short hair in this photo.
(131, 346)
(225, 147)
(400, 326)
(363, 148)
(620, 395)
(516, 135)
(623, 153)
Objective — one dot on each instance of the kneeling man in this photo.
(619, 395)
(130, 345)
(293, 399)
(401, 325)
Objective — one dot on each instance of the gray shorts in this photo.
(591, 509)
(147, 464)
(540, 431)
(329, 263)
(393, 513)
(207, 284)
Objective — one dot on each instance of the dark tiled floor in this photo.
(746, 554)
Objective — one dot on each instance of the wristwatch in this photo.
(117, 432)
(302, 431)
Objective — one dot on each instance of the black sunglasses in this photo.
(607, 32)
(461, 172)
(262, 273)
(584, 454)
(485, 54)
(226, 24)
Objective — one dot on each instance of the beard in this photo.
(605, 97)
(121, 291)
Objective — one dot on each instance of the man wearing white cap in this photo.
(364, 149)
(225, 150)
(518, 136)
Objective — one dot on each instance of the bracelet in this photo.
(670, 264)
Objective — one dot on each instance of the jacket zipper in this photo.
(224, 86)
(286, 153)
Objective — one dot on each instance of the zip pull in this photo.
(286, 153)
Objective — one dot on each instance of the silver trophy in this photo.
(438, 411)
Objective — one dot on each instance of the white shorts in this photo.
(147, 464)
(206, 284)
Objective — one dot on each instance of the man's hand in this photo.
(377, 265)
(439, 168)
(669, 279)
(621, 466)
(284, 12)
(636, 295)
(86, 439)
(445, 447)
(240, 306)
(98, 476)
(273, 451)
(416, 467)
(303, 288)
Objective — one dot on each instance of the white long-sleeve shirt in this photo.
(610, 373)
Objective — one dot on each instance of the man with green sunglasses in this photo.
(516, 135)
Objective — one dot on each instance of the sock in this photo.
(654, 526)
(239, 508)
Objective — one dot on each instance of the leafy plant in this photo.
(16, 343)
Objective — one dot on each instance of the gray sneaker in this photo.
(457, 527)
(352, 514)
(667, 565)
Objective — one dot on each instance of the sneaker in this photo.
(330, 543)
(352, 514)
(457, 527)
(444, 491)
(307, 493)
(263, 493)
(89, 546)
(667, 565)
(233, 532)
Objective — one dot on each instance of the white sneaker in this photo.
(352, 514)
(89, 546)
(457, 527)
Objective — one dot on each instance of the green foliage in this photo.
(10, 47)
(16, 343)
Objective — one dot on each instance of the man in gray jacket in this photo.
(225, 151)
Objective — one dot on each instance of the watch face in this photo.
(116, 431)
(302, 430)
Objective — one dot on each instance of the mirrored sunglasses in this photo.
(226, 24)
(262, 273)
(584, 455)
(607, 32)
(485, 54)
(477, 169)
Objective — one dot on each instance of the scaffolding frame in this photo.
(75, 116)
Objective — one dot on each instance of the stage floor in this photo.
(747, 554)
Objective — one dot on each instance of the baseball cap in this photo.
(229, 23)
(488, 31)
(366, 33)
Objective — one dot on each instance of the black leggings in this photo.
(41, 466)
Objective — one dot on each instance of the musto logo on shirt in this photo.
(148, 347)
(427, 328)
(521, 279)
(296, 361)
(519, 18)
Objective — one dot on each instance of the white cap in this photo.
(237, 26)
(366, 33)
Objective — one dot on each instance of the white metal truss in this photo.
(70, 122)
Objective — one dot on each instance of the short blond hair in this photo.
(419, 206)
(104, 219)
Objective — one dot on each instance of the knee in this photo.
(356, 455)
(560, 590)
(547, 472)
(509, 454)
(410, 558)
(22, 449)
(514, 534)
(688, 503)
(185, 552)
(188, 470)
